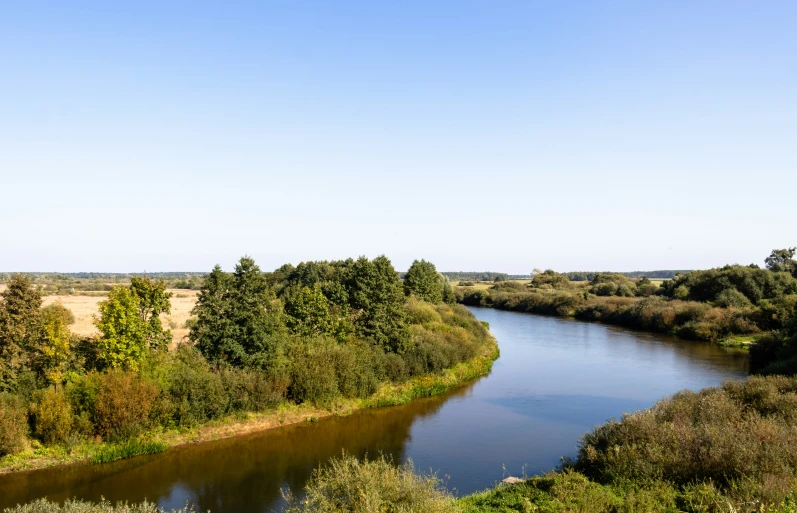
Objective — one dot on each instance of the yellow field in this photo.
(85, 308)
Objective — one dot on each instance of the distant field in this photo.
(85, 307)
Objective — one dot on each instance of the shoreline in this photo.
(285, 414)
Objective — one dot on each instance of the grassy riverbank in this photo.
(286, 413)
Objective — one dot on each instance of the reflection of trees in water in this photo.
(243, 473)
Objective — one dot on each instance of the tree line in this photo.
(713, 304)
(316, 333)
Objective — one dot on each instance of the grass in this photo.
(113, 452)
(739, 342)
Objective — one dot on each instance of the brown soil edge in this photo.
(284, 415)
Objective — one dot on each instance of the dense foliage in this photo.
(656, 275)
(705, 305)
(317, 333)
(348, 485)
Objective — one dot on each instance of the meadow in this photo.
(85, 309)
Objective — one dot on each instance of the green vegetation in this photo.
(128, 449)
(728, 449)
(350, 485)
(319, 334)
(76, 506)
(653, 275)
(65, 284)
(735, 303)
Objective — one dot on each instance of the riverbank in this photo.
(685, 319)
(285, 414)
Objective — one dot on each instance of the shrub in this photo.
(196, 392)
(358, 369)
(741, 438)
(732, 297)
(52, 415)
(419, 312)
(123, 405)
(347, 484)
(13, 424)
(395, 368)
(313, 376)
(250, 390)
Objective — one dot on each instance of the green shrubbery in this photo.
(76, 506)
(13, 424)
(347, 484)
(314, 334)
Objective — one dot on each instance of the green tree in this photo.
(309, 313)
(153, 300)
(238, 317)
(782, 260)
(423, 281)
(55, 347)
(448, 293)
(377, 299)
(213, 331)
(20, 328)
(123, 333)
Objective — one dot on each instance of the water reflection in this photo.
(233, 474)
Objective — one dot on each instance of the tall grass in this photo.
(119, 451)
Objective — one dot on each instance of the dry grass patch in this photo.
(85, 308)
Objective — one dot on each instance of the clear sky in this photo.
(494, 135)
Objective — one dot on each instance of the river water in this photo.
(555, 380)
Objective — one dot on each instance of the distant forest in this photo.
(183, 279)
(572, 276)
(656, 275)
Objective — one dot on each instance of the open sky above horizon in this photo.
(500, 136)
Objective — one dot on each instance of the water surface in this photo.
(555, 380)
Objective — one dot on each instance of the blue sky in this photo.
(480, 135)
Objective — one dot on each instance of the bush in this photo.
(249, 390)
(350, 485)
(123, 405)
(395, 368)
(420, 312)
(313, 376)
(52, 415)
(196, 392)
(740, 438)
(732, 297)
(358, 369)
(13, 424)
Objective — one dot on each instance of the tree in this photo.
(423, 281)
(123, 333)
(213, 332)
(238, 317)
(56, 344)
(448, 293)
(782, 260)
(309, 313)
(20, 328)
(377, 299)
(153, 300)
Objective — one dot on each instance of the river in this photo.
(555, 380)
